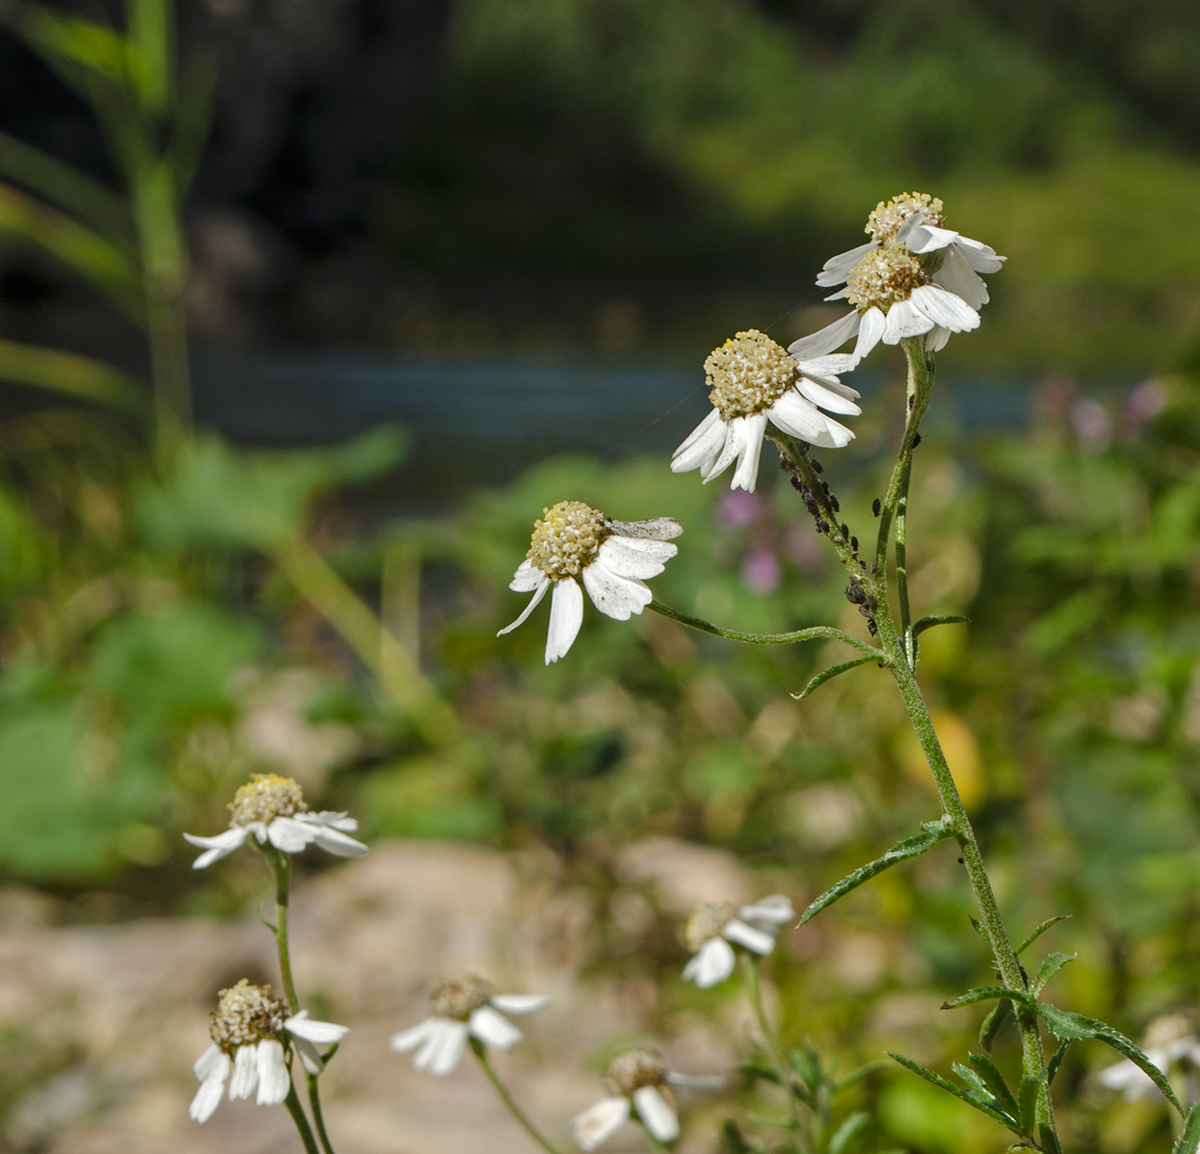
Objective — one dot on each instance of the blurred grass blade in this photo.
(193, 118)
(70, 373)
(151, 25)
(847, 1132)
(88, 199)
(85, 252)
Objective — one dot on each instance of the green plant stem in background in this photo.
(814, 633)
(523, 1119)
(292, 1102)
(770, 1044)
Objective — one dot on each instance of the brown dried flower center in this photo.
(264, 798)
(884, 276)
(747, 374)
(630, 1070)
(567, 540)
(459, 997)
(245, 1014)
(707, 922)
(885, 222)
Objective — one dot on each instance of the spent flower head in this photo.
(710, 930)
(889, 216)
(245, 1014)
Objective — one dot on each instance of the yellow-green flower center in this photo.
(885, 221)
(264, 798)
(748, 374)
(567, 539)
(632, 1069)
(884, 276)
(707, 922)
(245, 1014)
(458, 997)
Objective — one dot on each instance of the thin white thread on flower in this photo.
(708, 932)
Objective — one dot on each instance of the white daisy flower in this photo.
(247, 1049)
(462, 1007)
(712, 927)
(614, 559)
(638, 1082)
(272, 809)
(1169, 1039)
(913, 277)
(754, 384)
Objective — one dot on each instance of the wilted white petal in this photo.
(904, 319)
(702, 432)
(829, 365)
(635, 557)
(493, 1029)
(274, 1081)
(653, 1110)
(566, 618)
(870, 332)
(751, 937)
(696, 1081)
(443, 1050)
(527, 577)
(944, 308)
(212, 1085)
(534, 601)
(745, 476)
(712, 964)
(290, 835)
(310, 1057)
(216, 847)
(826, 397)
(302, 1026)
(827, 339)
(837, 268)
(598, 1123)
(245, 1072)
(776, 909)
(520, 1003)
(337, 843)
(411, 1038)
(959, 278)
(616, 597)
(981, 257)
(335, 819)
(652, 529)
(209, 1061)
(922, 238)
(735, 440)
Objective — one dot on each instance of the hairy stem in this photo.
(523, 1119)
(813, 633)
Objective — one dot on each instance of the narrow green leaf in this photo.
(72, 374)
(754, 1070)
(864, 1071)
(984, 994)
(1056, 1061)
(1189, 1140)
(1068, 1027)
(1027, 1097)
(734, 1141)
(830, 673)
(79, 44)
(929, 622)
(1049, 968)
(152, 52)
(931, 833)
(193, 119)
(994, 1023)
(967, 1096)
(845, 1134)
(1033, 937)
(972, 1080)
(994, 1080)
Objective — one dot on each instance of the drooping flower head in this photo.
(636, 1080)
(709, 931)
(272, 808)
(573, 541)
(754, 383)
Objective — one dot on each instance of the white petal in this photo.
(936, 339)
(696, 1081)
(735, 438)
(520, 1003)
(873, 324)
(1130, 1079)
(634, 557)
(616, 597)
(210, 1060)
(827, 339)
(527, 578)
(493, 1029)
(339, 844)
(209, 1095)
(598, 1123)
(444, 1048)
(703, 432)
(775, 910)
(302, 1026)
(829, 366)
(981, 257)
(411, 1038)
(654, 529)
(922, 238)
(274, 1081)
(751, 937)
(259, 829)
(335, 819)
(745, 476)
(216, 847)
(904, 319)
(826, 398)
(658, 1117)
(534, 601)
(310, 1057)
(566, 618)
(945, 309)
(959, 278)
(713, 963)
(289, 835)
(837, 268)
(800, 418)
(245, 1072)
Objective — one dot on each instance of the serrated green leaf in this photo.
(994, 1023)
(847, 1132)
(1033, 937)
(973, 1081)
(1069, 1027)
(1027, 1097)
(1189, 1140)
(994, 1080)
(1049, 968)
(931, 833)
(972, 1099)
(984, 994)
(830, 673)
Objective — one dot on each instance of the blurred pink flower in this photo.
(1093, 424)
(737, 509)
(761, 570)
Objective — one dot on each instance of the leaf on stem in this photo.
(919, 627)
(971, 1097)
(1027, 1098)
(1033, 937)
(1069, 1027)
(70, 373)
(734, 1141)
(1048, 969)
(1056, 1061)
(864, 1071)
(1189, 1140)
(830, 673)
(931, 833)
(989, 1072)
(994, 1023)
(845, 1134)
(984, 994)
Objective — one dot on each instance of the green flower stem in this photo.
(523, 1119)
(813, 633)
(655, 1145)
(314, 1102)
(754, 995)
(297, 1112)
